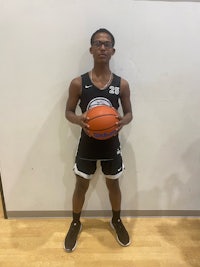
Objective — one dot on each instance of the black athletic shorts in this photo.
(112, 169)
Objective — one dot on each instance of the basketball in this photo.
(102, 122)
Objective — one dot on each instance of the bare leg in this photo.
(116, 223)
(114, 193)
(79, 193)
(77, 201)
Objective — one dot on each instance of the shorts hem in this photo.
(81, 174)
(115, 176)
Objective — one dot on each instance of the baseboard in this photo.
(103, 213)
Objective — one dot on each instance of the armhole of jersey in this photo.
(84, 78)
(81, 89)
(120, 81)
(82, 83)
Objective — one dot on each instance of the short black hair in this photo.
(104, 31)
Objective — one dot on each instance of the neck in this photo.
(101, 78)
(101, 68)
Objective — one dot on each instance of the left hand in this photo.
(120, 123)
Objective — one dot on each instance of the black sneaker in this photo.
(122, 234)
(71, 237)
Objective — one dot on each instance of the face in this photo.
(101, 48)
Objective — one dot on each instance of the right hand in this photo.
(83, 122)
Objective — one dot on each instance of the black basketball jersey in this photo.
(91, 96)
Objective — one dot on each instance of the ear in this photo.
(91, 52)
(113, 52)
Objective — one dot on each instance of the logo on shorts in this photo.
(118, 151)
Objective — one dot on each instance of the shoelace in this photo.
(119, 225)
(73, 228)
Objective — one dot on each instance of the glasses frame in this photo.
(98, 44)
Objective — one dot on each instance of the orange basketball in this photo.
(102, 122)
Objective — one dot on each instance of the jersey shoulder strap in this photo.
(85, 80)
(116, 80)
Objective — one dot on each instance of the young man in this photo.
(98, 87)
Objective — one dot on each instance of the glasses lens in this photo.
(106, 44)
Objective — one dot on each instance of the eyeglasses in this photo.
(106, 44)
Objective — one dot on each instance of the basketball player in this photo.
(98, 87)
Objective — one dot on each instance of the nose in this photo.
(102, 47)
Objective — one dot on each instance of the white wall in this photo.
(43, 45)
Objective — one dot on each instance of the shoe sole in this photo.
(71, 250)
(123, 245)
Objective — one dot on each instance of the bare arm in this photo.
(72, 101)
(126, 104)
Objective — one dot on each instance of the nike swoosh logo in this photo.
(88, 86)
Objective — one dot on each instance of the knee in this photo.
(112, 185)
(81, 185)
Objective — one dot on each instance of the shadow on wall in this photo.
(129, 179)
(179, 192)
(175, 188)
(47, 169)
(191, 159)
